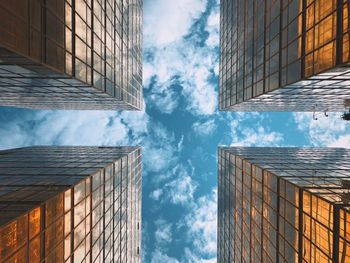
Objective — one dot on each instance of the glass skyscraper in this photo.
(70, 204)
(284, 55)
(71, 54)
(284, 205)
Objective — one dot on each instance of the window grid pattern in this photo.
(87, 219)
(290, 205)
(284, 55)
(71, 54)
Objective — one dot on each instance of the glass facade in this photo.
(284, 205)
(70, 204)
(284, 55)
(71, 54)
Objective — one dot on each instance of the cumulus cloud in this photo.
(92, 128)
(168, 21)
(213, 25)
(257, 137)
(160, 257)
(181, 189)
(204, 128)
(76, 128)
(331, 131)
(165, 100)
(163, 234)
(190, 69)
(178, 187)
(156, 194)
(202, 223)
(253, 132)
(180, 60)
(163, 237)
(192, 257)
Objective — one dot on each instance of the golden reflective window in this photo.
(344, 251)
(13, 235)
(322, 238)
(322, 211)
(67, 200)
(34, 222)
(34, 250)
(307, 226)
(54, 209)
(325, 31)
(306, 250)
(324, 8)
(19, 257)
(53, 235)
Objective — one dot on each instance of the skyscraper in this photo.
(71, 54)
(284, 205)
(70, 204)
(284, 55)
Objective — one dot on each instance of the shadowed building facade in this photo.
(70, 204)
(71, 54)
(284, 55)
(284, 205)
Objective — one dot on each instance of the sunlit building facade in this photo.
(284, 205)
(70, 204)
(284, 55)
(71, 54)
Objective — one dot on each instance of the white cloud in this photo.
(181, 189)
(331, 131)
(342, 141)
(252, 132)
(192, 257)
(257, 137)
(180, 144)
(156, 194)
(165, 100)
(160, 257)
(181, 62)
(213, 25)
(163, 233)
(75, 128)
(93, 128)
(202, 224)
(204, 128)
(168, 21)
(191, 68)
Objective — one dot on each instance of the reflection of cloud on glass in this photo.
(302, 184)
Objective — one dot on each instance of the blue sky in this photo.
(179, 130)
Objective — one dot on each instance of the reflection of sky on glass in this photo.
(179, 130)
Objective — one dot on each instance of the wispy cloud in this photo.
(92, 128)
(202, 225)
(161, 257)
(163, 234)
(178, 59)
(247, 129)
(331, 131)
(168, 21)
(165, 99)
(204, 128)
(178, 187)
(156, 194)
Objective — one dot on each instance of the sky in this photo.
(179, 130)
